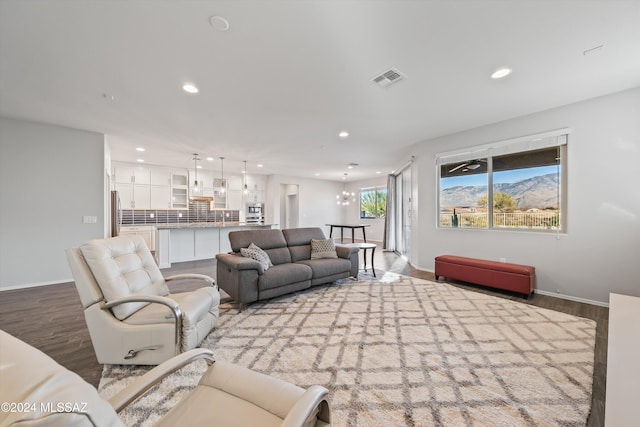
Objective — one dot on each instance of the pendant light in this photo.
(246, 190)
(197, 187)
(224, 185)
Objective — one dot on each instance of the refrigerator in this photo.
(116, 214)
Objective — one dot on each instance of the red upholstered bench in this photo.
(500, 275)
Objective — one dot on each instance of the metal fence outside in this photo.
(539, 220)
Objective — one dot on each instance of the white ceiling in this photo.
(287, 76)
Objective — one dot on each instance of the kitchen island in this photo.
(190, 241)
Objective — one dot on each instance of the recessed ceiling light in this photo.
(219, 23)
(343, 134)
(190, 88)
(140, 160)
(317, 174)
(211, 159)
(378, 172)
(199, 167)
(260, 165)
(140, 149)
(500, 73)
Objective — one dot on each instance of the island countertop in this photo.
(230, 224)
(191, 241)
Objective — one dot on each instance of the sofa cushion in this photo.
(327, 266)
(323, 249)
(299, 241)
(284, 274)
(254, 252)
(265, 239)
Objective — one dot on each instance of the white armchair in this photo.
(43, 393)
(131, 316)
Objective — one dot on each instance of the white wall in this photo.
(50, 177)
(375, 231)
(601, 249)
(317, 201)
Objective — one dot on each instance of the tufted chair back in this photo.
(123, 266)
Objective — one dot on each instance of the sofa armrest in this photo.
(345, 251)
(238, 262)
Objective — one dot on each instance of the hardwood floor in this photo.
(51, 318)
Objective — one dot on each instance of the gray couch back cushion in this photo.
(299, 241)
(271, 241)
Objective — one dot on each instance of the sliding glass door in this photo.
(403, 212)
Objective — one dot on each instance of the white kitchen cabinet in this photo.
(179, 197)
(133, 174)
(179, 178)
(134, 196)
(160, 197)
(122, 173)
(160, 176)
(141, 196)
(181, 245)
(147, 232)
(125, 191)
(151, 187)
(141, 175)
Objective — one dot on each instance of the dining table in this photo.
(353, 228)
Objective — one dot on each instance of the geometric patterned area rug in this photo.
(398, 351)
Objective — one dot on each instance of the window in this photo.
(516, 184)
(373, 203)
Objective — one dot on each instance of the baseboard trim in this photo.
(35, 285)
(546, 293)
(572, 298)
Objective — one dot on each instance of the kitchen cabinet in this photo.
(179, 178)
(133, 174)
(134, 196)
(180, 189)
(151, 187)
(147, 232)
(179, 197)
(141, 197)
(160, 196)
(160, 176)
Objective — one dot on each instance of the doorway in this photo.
(289, 205)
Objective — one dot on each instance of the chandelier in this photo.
(345, 198)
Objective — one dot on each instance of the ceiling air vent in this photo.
(388, 78)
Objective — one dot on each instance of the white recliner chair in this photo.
(39, 392)
(131, 316)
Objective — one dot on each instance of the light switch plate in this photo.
(89, 219)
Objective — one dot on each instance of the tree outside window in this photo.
(373, 203)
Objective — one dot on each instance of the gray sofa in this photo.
(245, 280)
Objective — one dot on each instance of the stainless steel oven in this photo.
(254, 212)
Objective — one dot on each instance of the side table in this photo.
(364, 247)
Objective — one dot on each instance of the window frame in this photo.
(375, 190)
(507, 147)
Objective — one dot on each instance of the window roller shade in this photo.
(526, 143)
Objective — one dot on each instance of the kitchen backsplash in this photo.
(168, 216)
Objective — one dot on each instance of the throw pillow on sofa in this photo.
(254, 252)
(323, 249)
